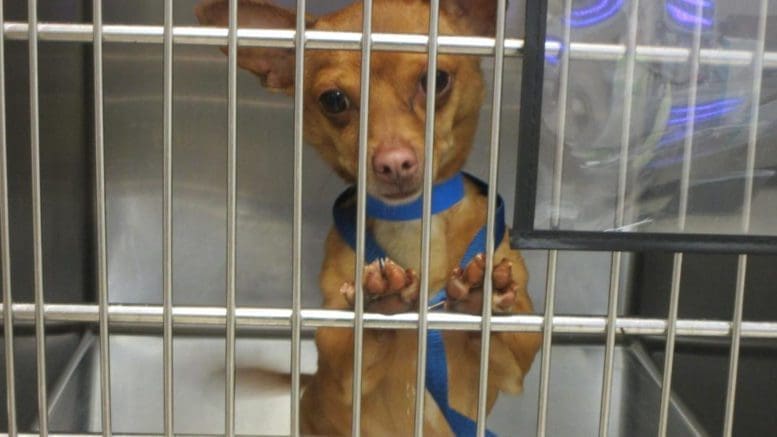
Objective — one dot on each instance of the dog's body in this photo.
(395, 149)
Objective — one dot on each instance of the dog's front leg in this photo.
(388, 289)
(512, 353)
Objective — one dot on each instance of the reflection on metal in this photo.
(683, 12)
(704, 111)
(594, 14)
(553, 47)
(679, 117)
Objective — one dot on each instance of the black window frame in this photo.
(525, 236)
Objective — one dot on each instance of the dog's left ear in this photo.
(479, 16)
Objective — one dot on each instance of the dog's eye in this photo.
(442, 79)
(334, 101)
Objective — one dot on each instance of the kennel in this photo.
(170, 269)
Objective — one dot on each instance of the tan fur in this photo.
(397, 115)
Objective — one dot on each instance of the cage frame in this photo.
(245, 321)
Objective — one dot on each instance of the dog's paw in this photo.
(465, 287)
(388, 288)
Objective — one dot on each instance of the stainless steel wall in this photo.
(66, 186)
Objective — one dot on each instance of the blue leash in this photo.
(444, 195)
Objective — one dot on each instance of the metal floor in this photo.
(263, 397)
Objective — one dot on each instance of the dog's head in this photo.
(397, 88)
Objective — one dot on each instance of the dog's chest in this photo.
(402, 243)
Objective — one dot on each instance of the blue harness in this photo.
(444, 195)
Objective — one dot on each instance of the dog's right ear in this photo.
(479, 16)
(275, 67)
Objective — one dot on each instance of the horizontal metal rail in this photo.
(71, 32)
(251, 317)
(81, 434)
(325, 40)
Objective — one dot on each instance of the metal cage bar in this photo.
(250, 319)
(327, 40)
(296, 266)
(5, 252)
(620, 212)
(426, 216)
(167, 226)
(547, 342)
(555, 221)
(229, 402)
(37, 238)
(361, 216)
(677, 267)
(493, 170)
(739, 297)
(102, 239)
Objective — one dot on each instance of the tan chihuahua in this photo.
(395, 156)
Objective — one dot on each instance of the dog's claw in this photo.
(348, 291)
(475, 270)
(503, 274)
(373, 281)
(465, 287)
(395, 275)
(388, 288)
(457, 287)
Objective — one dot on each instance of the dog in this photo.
(395, 169)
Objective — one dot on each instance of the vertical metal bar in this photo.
(361, 215)
(102, 263)
(736, 332)
(496, 112)
(5, 250)
(736, 326)
(547, 329)
(426, 217)
(615, 265)
(229, 410)
(167, 213)
(555, 222)
(558, 165)
(671, 328)
(674, 298)
(296, 252)
(37, 239)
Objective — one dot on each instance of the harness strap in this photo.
(436, 364)
(445, 194)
